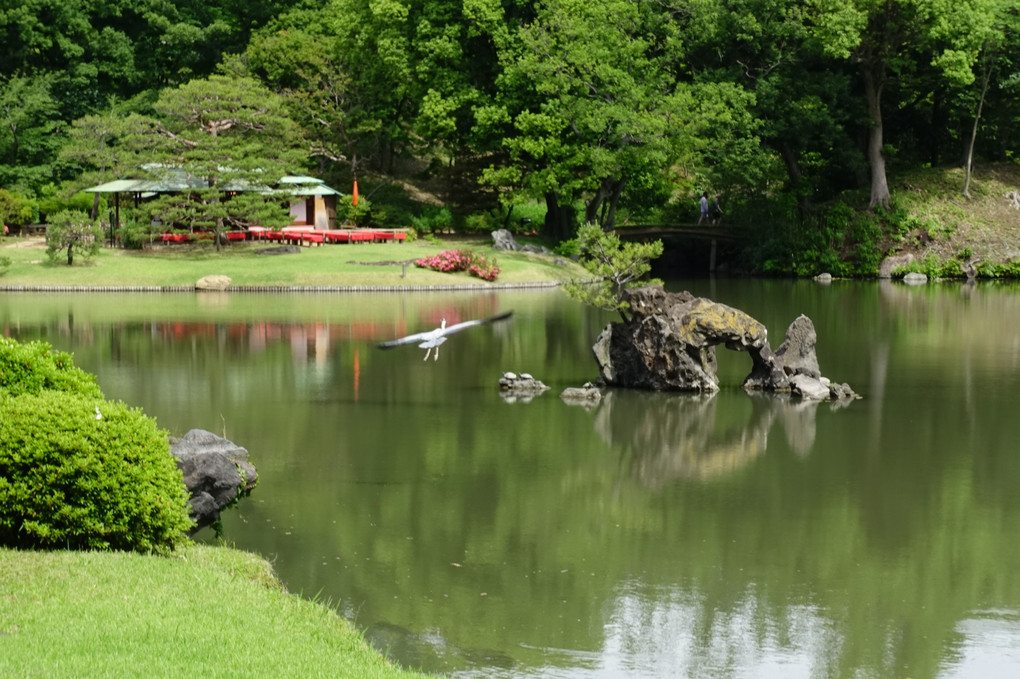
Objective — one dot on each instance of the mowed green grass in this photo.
(204, 611)
(369, 264)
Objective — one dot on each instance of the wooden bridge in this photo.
(668, 233)
(704, 232)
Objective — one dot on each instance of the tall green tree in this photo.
(28, 123)
(230, 139)
(806, 118)
(600, 110)
(892, 39)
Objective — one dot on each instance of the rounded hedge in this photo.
(32, 367)
(77, 472)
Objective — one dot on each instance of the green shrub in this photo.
(133, 234)
(70, 233)
(480, 222)
(356, 215)
(16, 209)
(52, 203)
(74, 479)
(35, 366)
(5, 263)
(433, 219)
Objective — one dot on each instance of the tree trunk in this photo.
(790, 160)
(985, 80)
(601, 209)
(70, 253)
(559, 219)
(873, 80)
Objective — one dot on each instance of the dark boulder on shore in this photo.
(216, 472)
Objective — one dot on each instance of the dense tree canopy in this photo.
(605, 112)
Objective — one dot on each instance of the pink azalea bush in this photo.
(484, 270)
(452, 261)
(447, 261)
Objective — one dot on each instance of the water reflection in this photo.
(670, 437)
(652, 535)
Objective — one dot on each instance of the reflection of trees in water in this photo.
(670, 437)
(676, 633)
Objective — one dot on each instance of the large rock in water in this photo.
(669, 344)
(216, 472)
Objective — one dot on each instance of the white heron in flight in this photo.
(433, 338)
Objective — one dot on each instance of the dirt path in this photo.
(27, 242)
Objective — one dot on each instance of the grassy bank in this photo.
(930, 226)
(934, 222)
(204, 611)
(370, 264)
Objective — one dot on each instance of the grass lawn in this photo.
(368, 264)
(203, 611)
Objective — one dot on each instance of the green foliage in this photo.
(71, 232)
(16, 209)
(433, 219)
(866, 236)
(220, 134)
(34, 367)
(614, 265)
(358, 215)
(480, 222)
(70, 479)
(28, 122)
(77, 471)
(1004, 270)
(5, 263)
(133, 235)
(52, 203)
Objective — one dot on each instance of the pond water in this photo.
(655, 535)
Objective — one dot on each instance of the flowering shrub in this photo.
(452, 261)
(484, 270)
(447, 261)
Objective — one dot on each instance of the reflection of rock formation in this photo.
(672, 437)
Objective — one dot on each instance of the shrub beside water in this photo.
(34, 366)
(78, 471)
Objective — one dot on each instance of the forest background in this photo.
(842, 131)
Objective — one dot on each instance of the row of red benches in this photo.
(297, 237)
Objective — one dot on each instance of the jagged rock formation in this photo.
(502, 239)
(670, 340)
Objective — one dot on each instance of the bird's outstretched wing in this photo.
(442, 332)
(457, 327)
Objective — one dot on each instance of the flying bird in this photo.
(433, 338)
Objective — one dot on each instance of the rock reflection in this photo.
(673, 437)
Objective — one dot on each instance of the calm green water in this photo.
(655, 535)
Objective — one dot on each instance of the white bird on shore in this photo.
(433, 338)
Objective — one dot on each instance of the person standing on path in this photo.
(715, 211)
(704, 207)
